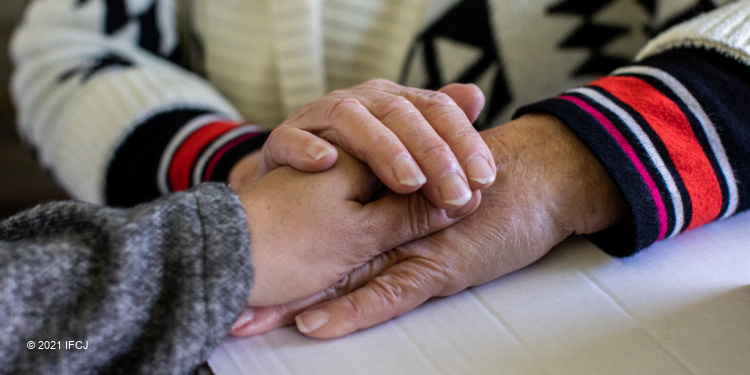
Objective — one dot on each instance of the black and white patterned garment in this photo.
(93, 76)
(559, 45)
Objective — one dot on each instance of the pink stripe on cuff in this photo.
(662, 211)
(223, 150)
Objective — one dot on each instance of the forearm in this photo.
(579, 195)
(669, 129)
(152, 289)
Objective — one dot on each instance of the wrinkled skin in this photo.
(548, 187)
(411, 138)
(308, 230)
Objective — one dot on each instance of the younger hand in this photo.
(309, 230)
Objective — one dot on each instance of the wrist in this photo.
(245, 170)
(577, 192)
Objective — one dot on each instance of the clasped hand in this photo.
(549, 186)
(308, 230)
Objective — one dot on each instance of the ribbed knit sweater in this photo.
(126, 100)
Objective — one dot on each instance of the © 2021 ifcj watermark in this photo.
(58, 345)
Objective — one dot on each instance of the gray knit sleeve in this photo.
(152, 289)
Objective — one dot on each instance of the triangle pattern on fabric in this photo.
(460, 47)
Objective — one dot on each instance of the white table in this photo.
(680, 307)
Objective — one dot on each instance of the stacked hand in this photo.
(549, 186)
(308, 230)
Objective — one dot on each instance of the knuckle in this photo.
(378, 82)
(469, 137)
(277, 137)
(341, 108)
(396, 106)
(435, 153)
(390, 293)
(357, 311)
(453, 279)
(435, 101)
(414, 221)
(421, 221)
(441, 109)
(442, 275)
(437, 98)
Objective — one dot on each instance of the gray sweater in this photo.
(151, 289)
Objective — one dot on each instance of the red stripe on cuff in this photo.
(211, 165)
(628, 149)
(186, 155)
(673, 128)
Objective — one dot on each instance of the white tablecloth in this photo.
(679, 307)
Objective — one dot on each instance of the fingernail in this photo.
(453, 190)
(311, 320)
(318, 150)
(407, 172)
(479, 170)
(246, 317)
(463, 211)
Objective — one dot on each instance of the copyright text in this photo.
(58, 345)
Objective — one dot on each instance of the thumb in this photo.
(296, 148)
(398, 290)
(468, 97)
(397, 219)
(261, 319)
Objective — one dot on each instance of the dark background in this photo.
(22, 182)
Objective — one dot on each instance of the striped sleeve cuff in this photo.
(662, 129)
(175, 151)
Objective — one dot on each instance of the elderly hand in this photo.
(310, 230)
(549, 186)
(409, 137)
